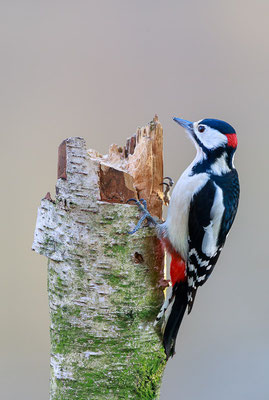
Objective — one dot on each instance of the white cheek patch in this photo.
(211, 138)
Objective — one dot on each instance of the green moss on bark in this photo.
(103, 303)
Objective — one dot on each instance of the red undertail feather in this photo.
(177, 266)
(178, 302)
(177, 269)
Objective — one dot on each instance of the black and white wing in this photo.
(212, 211)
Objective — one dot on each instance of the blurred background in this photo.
(99, 69)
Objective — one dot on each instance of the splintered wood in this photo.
(134, 171)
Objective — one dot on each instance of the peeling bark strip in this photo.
(62, 161)
(104, 285)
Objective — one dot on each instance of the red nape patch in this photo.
(232, 139)
(177, 269)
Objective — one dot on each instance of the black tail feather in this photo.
(175, 318)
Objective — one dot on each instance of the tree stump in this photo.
(105, 286)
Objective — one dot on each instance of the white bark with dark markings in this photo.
(105, 286)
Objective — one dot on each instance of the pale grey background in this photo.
(99, 69)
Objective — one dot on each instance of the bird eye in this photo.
(201, 128)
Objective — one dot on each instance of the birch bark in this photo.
(105, 287)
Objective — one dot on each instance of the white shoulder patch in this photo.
(209, 244)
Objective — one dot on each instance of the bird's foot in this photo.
(166, 192)
(142, 205)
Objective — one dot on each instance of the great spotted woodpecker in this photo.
(200, 214)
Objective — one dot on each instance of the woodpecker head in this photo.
(211, 135)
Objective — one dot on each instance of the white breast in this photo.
(176, 223)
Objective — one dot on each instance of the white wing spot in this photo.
(191, 267)
(201, 278)
(190, 282)
(199, 260)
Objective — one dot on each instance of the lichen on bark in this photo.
(104, 288)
